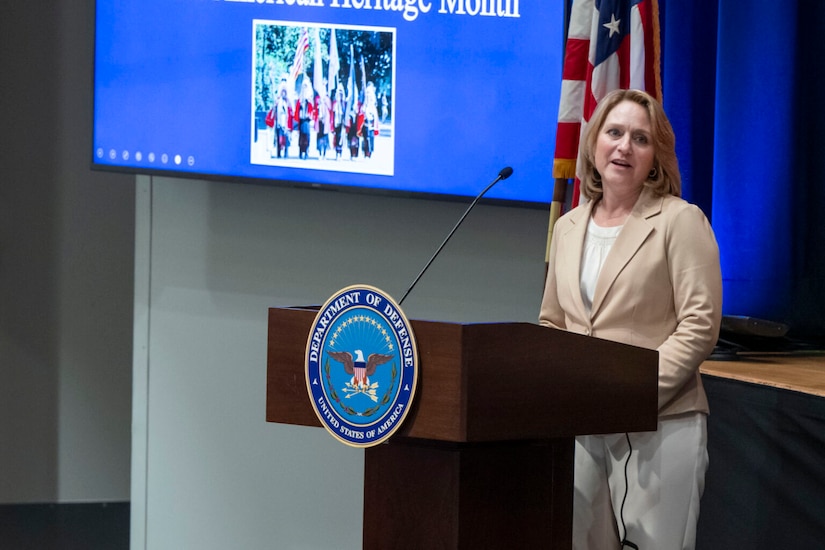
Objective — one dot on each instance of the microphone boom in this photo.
(503, 174)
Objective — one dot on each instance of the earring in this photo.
(653, 174)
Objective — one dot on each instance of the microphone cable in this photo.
(624, 541)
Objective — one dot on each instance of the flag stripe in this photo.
(572, 104)
(567, 135)
(300, 49)
(575, 59)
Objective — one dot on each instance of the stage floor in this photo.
(802, 373)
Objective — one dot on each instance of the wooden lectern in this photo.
(484, 458)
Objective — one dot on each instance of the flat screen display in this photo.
(426, 97)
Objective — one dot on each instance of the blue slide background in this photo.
(472, 94)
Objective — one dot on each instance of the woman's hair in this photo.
(665, 178)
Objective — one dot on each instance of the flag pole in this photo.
(559, 198)
(559, 184)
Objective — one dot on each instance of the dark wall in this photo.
(29, 184)
(808, 293)
(66, 269)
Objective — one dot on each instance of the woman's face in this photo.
(625, 151)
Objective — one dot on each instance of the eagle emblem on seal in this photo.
(360, 370)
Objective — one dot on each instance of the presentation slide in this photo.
(427, 97)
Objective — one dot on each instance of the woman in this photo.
(639, 265)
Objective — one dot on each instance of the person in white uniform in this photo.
(637, 264)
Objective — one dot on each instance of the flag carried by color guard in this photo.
(301, 48)
(334, 64)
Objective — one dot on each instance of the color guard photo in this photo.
(323, 97)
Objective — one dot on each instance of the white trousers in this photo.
(665, 480)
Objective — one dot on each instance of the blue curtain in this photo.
(737, 86)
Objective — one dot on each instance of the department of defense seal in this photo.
(361, 366)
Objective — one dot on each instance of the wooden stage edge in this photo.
(796, 372)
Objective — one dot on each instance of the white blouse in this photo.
(598, 241)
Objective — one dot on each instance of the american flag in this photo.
(611, 44)
(300, 49)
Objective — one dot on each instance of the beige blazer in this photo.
(660, 288)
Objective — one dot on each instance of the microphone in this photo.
(505, 173)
